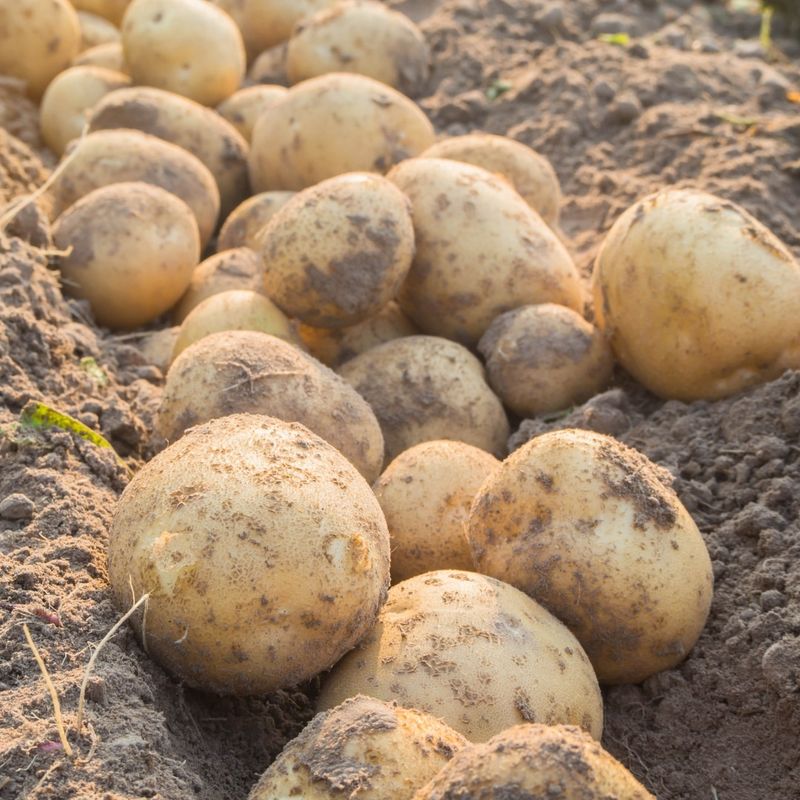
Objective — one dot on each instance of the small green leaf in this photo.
(497, 88)
(736, 120)
(94, 370)
(618, 39)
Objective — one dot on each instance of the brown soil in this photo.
(689, 101)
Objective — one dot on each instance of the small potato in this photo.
(245, 225)
(131, 251)
(363, 748)
(107, 157)
(38, 39)
(269, 67)
(238, 371)
(587, 527)
(349, 123)
(243, 108)
(267, 23)
(364, 37)
(112, 10)
(230, 270)
(69, 98)
(107, 56)
(96, 30)
(474, 652)
(338, 252)
(157, 347)
(545, 358)
(535, 761)
(264, 552)
(425, 494)
(423, 388)
(189, 47)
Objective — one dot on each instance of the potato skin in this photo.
(107, 56)
(267, 23)
(474, 652)
(587, 527)
(697, 297)
(96, 30)
(157, 346)
(245, 224)
(243, 108)
(423, 388)
(112, 10)
(350, 123)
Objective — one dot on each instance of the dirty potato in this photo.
(243, 108)
(157, 346)
(245, 224)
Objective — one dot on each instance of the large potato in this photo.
(264, 552)
(423, 388)
(130, 249)
(474, 652)
(363, 748)
(38, 39)
(96, 30)
(481, 250)
(697, 297)
(364, 37)
(337, 253)
(107, 56)
(587, 527)
(245, 225)
(189, 47)
(112, 10)
(349, 123)
(243, 108)
(248, 371)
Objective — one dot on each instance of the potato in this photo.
(530, 173)
(245, 224)
(474, 652)
(545, 358)
(157, 347)
(363, 37)
(266, 23)
(269, 67)
(248, 371)
(697, 297)
(107, 157)
(243, 108)
(425, 494)
(587, 527)
(96, 30)
(363, 748)
(38, 39)
(189, 47)
(130, 251)
(481, 250)
(265, 554)
(349, 123)
(112, 10)
(338, 252)
(68, 99)
(535, 761)
(107, 56)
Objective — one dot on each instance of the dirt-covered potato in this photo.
(107, 56)
(189, 47)
(96, 30)
(107, 157)
(481, 250)
(38, 39)
(589, 528)
(245, 224)
(545, 358)
(535, 761)
(363, 748)
(238, 371)
(474, 652)
(112, 10)
(65, 107)
(243, 108)
(360, 36)
(426, 494)
(267, 23)
(130, 249)
(423, 388)
(697, 297)
(338, 252)
(157, 347)
(349, 123)
(530, 173)
(263, 550)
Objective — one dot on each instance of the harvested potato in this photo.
(245, 224)
(474, 652)
(238, 371)
(269, 67)
(112, 10)
(189, 47)
(107, 56)
(350, 124)
(130, 249)
(587, 527)
(364, 37)
(96, 30)
(697, 297)
(481, 250)
(338, 252)
(107, 157)
(267, 23)
(364, 748)
(243, 108)
(531, 174)
(545, 358)
(423, 388)
(425, 494)
(38, 39)
(264, 552)
(63, 113)
(157, 347)
(535, 761)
